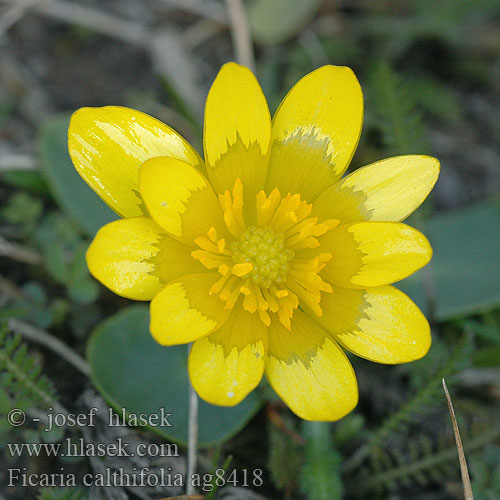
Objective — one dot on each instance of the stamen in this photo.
(260, 263)
(221, 245)
(212, 234)
(232, 208)
(242, 269)
(209, 260)
(250, 302)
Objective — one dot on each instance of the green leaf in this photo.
(464, 273)
(26, 179)
(273, 21)
(132, 371)
(483, 330)
(487, 357)
(74, 196)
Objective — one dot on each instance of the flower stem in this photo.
(192, 437)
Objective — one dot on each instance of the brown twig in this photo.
(17, 162)
(240, 30)
(92, 18)
(9, 290)
(18, 252)
(276, 419)
(198, 33)
(15, 13)
(461, 455)
(175, 63)
(205, 8)
(164, 46)
(42, 337)
(96, 20)
(24, 85)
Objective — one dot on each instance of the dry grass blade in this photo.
(92, 18)
(14, 14)
(19, 252)
(35, 334)
(461, 455)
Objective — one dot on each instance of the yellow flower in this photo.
(261, 255)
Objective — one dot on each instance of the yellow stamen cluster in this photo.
(266, 251)
(263, 264)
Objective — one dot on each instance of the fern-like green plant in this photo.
(420, 464)
(20, 374)
(395, 112)
(485, 468)
(417, 406)
(215, 484)
(61, 494)
(320, 477)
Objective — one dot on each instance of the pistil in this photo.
(266, 251)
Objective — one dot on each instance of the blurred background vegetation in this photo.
(430, 72)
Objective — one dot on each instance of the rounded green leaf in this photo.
(72, 193)
(464, 271)
(132, 371)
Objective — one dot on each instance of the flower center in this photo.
(266, 251)
(265, 267)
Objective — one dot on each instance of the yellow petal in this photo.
(179, 198)
(309, 371)
(315, 132)
(367, 254)
(388, 190)
(135, 258)
(380, 324)
(225, 366)
(108, 145)
(237, 132)
(185, 311)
